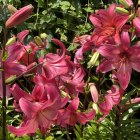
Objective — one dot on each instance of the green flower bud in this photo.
(43, 35)
(122, 10)
(12, 9)
(126, 3)
(93, 60)
(11, 41)
(10, 79)
(38, 41)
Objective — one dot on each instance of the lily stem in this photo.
(4, 129)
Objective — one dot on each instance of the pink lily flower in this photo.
(86, 45)
(107, 23)
(122, 58)
(11, 64)
(21, 35)
(40, 109)
(39, 115)
(15, 53)
(134, 101)
(70, 115)
(112, 98)
(136, 23)
(53, 64)
(73, 82)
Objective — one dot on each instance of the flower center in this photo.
(106, 31)
(124, 56)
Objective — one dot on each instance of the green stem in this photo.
(4, 92)
(3, 105)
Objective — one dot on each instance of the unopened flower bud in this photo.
(93, 60)
(131, 17)
(122, 10)
(96, 108)
(94, 92)
(126, 3)
(10, 79)
(11, 41)
(12, 9)
(38, 41)
(43, 35)
(64, 94)
(19, 16)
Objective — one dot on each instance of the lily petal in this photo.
(28, 108)
(125, 40)
(124, 74)
(74, 104)
(105, 66)
(18, 93)
(29, 128)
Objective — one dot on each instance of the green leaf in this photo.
(40, 3)
(72, 47)
(0, 29)
(50, 138)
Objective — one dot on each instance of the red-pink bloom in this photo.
(21, 35)
(112, 98)
(12, 65)
(136, 23)
(73, 82)
(40, 108)
(129, 2)
(134, 101)
(86, 45)
(122, 58)
(39, 115)
(107, 23)
(54, 65)
(20, 53)
(70, 115)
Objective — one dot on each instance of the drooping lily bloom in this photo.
(54, 64)
(40, 108)
(25, 53)
(15, 53)
(112, 98)
(134, 101)
(136, 23)
(12, 65)
(21, 35)
(107, 23)
(70, 115)
(73, 82)
(39, 115)
(86, 45)
(122, 59)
